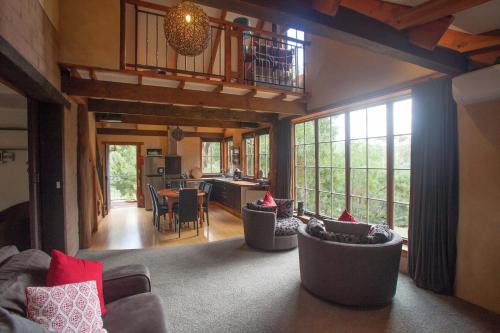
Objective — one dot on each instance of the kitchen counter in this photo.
(241, 183)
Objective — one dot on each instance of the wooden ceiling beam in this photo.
(428, 35)
(348, 26)
(176, 121)
(432, 10)
(328, 7)
(464, 42)
(127, 131)
(169, 110)
(126, 91)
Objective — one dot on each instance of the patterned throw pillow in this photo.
(285, 208)
(379, 233)
(261, 208)
(66, 308)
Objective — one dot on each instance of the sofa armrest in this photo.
(124, 281)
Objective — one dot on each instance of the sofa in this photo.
(349, 274)
(130, 305)
(265, 231)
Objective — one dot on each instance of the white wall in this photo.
(14, 183)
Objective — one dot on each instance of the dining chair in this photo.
(201, 186)
(207, 189)
(152, 203)
(159, 209)
(188, 208)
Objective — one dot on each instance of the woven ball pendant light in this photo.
(187, 28)
(178, 134)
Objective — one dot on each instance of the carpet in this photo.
(227, 287)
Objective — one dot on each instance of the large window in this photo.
(263, 157)
(363, 163)
(305, 161)
(211, 161)
(248, 144)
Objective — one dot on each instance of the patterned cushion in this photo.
(379, 233)
(286, 226)
(66, 308)
(285, 208)
(261, 208)
(317, 229)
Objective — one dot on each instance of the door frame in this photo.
(138, 170)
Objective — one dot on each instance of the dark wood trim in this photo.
(205, 136)
(34, 174)
(349, 27)
(16, 70)
(122, 33)
(169, 110)
(125, 131)
(127, 91)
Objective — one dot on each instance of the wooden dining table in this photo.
(172, 196)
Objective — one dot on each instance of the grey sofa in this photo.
(130, 305)
(349, 274)
(264, 231)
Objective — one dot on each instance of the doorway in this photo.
(123, 175)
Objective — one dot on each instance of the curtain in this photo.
(284, 158)
(434, 187)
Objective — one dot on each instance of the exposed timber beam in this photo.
(126, 91)
(328, 7)
(176, 121)
(169, 110)
(432, 10)
(429, 34)
(126, 131)
(464, 42)
(350, 27)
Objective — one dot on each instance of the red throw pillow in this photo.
(66, 269)
(269, 201)
(347, 217)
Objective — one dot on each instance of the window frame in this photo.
(202, 141)
(389, 140)
(227, 157)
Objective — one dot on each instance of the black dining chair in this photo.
(207, 189)
(188, 209)
(201, 186)
(159, 209)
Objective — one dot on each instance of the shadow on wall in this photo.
(14, 226)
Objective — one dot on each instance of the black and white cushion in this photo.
(284, 208)
(286, 226)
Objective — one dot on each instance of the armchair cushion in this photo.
(260, 208)
(285, 208)
(286, 226)
(124, 281)
(12, 323)
(6, 252)
(357, 228)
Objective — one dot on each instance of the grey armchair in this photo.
(260, 230)
(349, 274)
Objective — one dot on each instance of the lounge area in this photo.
(249, 166)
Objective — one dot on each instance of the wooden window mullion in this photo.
(390, 165)
(347, 133)
(316, 165)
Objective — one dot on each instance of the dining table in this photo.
(172, 196)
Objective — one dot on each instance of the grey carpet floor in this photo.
(227, 287)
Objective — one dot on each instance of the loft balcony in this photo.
(236, 53)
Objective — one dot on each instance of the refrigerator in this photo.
(153, 174)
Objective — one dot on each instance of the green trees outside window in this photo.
(264, 155)
(211, 161)
(363, 160)
(122, 172)
(249, 143)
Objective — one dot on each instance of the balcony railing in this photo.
(235, 53)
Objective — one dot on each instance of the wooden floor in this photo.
(132, 228)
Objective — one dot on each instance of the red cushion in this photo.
(347, 217)
(269, 201)
(66, 269)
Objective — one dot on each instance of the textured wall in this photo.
(336, 71)
(25, 25)
(478, 261)
(90, 32)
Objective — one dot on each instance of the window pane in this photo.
(338, 127)
(210, 157)
(358, 153)
(310, 202)
(310, 178)
(358, 182)
(310, 155)
(338, 205)
(300, 194)
(358, 124)
(377, 153)
(309, 132)
(359, 208)
(264, 144)
(325, 158)
(402, 117)
(299, 155)
(377, 212)
(338, 180)
(325, 206)
(402, 152)
(401, 218)
(299, 133)
(215, 148)
(325, 179)
(324, 129)
(299, 177)
(377, 121)
(338, 154)
(402, 186)
(377, 184)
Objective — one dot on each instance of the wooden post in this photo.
(241, 60)
(227, 53)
